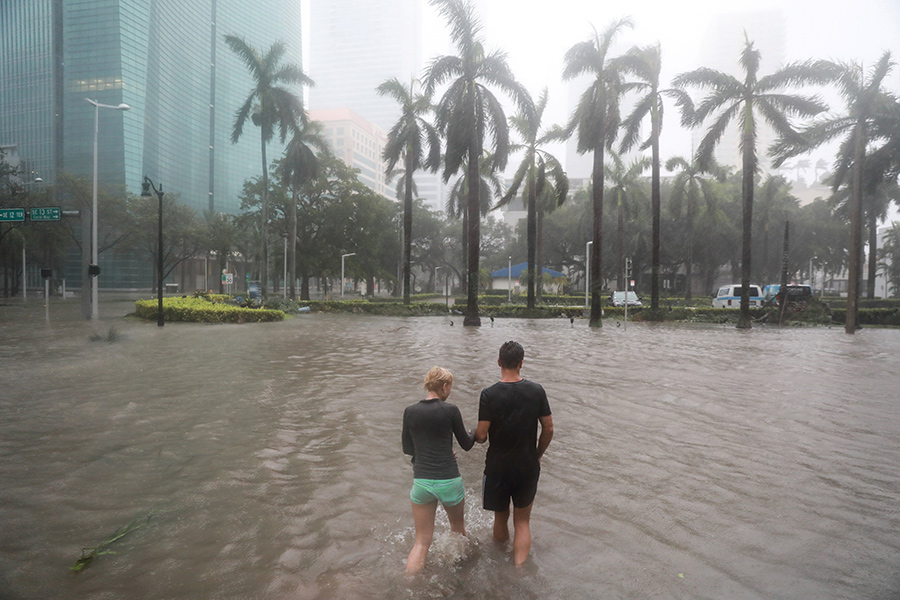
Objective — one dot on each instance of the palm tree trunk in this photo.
(597, 202)
(292, 250)
(407, 226)
(531, 224)
(655, 202)
(851, 323)
(620, 244)
(539, 263)
(264, 229)
(749, 166)
(689, 263)
(873, 251)
(474, 232)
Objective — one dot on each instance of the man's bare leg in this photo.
(501, 525)
(423, 517)
(522, 540)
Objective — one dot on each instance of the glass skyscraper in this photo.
(168, 61)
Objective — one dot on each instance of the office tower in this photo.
(353, 48)
(355, 141)
(167, 60)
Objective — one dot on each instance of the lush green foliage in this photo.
(200, 310)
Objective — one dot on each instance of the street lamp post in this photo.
(343, 256)
(146, 185)
(587, 272)
(94, 270)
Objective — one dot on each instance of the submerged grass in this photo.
(89, 554)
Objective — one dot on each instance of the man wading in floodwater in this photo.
(508, 415)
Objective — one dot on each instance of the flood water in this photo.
(689, 461)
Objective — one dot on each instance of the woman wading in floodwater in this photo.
(428, 429)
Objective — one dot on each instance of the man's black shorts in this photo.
(497, 491)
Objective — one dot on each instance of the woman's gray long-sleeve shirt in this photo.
(428, 430)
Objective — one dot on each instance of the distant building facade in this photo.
(168, 61)
(353, 48)
(357, 142)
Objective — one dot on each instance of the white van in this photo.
(729, 296)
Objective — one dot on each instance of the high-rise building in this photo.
(353, 48)
(355, 141)
(167, 60)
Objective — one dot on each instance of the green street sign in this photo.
(11, 214)
(44, 213)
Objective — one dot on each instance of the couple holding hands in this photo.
(509, 413)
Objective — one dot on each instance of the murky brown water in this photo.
(689, 461)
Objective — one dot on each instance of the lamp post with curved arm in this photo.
(146, 185)
(94, 269)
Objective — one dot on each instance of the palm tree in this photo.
(800, 165)
(405, 141)
(467, 113)
(625, 181)
(688, 186)
(646, 64)
(489, 186)
(270, 106)
(596, 119)
(540, 171)
(730, 99)
(821, 165)
(867, 105)
(301, 164)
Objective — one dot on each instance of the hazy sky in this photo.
(536, 35)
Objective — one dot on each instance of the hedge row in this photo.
(392, 309)
(200, 310)
(869, 316)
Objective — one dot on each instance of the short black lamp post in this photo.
(146, 185)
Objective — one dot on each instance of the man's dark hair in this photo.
(511, 354)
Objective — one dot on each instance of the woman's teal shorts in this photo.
(449, 492)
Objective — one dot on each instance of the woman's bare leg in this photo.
(423, 517)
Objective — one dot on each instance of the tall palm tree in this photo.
(821, 165)
(596, 120)
(866, 105)
(625, 181)
(689, 186)
(730, 99)
(646, 64)
(301, 164)
(539, 170)
(416, 142)
(489, 186)
(468, 113)
(270, 105)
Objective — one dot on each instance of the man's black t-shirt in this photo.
(513, 410)
(428, 430)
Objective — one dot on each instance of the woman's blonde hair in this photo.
(436, 378)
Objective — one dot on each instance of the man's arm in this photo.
(481, 431)
(545, 437)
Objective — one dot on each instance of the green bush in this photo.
(392, 309)
(869, 316)
(199, 310)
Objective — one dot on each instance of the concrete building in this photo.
(356, 46)
(168, 61)
(357, 142)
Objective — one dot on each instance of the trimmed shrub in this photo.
(199, 310)
(869, 316)
(390, 309)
